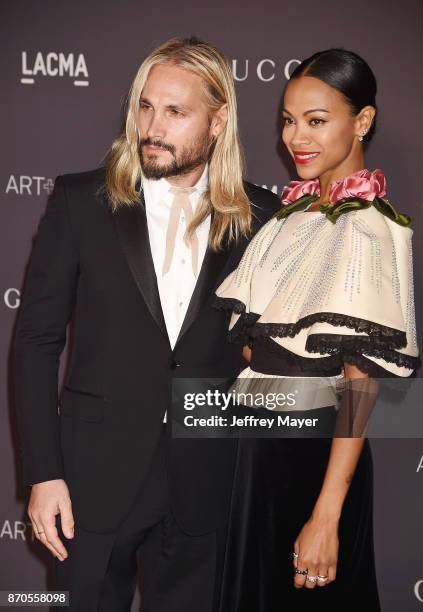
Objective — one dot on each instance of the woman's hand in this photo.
(317, 550)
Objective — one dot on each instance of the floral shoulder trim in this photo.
(334, 211)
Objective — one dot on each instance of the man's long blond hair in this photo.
(225, 195)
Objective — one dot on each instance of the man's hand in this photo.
(48, 499)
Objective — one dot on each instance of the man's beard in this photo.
(190, 158)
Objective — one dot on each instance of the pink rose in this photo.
(298, 189)
(362, 184)
(378, 181)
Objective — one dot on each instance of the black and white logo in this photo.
(12, 298)
(418, 590)
(53, 64)
(29, 185)
(264, 70)
(16, 530)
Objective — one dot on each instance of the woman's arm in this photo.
(343, 459)
(317, 543)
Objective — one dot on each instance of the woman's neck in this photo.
(346, 168)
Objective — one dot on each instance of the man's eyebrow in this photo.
(178, 107)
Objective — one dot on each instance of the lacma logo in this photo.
(54, 65)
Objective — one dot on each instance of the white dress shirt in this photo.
(177, 285)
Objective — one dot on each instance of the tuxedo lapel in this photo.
(132, 229)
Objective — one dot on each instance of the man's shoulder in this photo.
(265, 203)
(87, 182)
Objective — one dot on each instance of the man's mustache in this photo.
(157, 143)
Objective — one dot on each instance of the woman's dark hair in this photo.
(348, 73)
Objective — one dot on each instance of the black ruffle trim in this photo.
(229, 304)
(388, 337)
(241, 331)
(321, 364)
(381, 341)
(338, 344)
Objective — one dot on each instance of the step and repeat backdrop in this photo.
(66, 68)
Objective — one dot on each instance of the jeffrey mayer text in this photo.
(249, 421)
(282, 421)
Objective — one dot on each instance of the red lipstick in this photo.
(305, 157)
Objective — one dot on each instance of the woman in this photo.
(324, 292)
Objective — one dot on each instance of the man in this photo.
(134, 251)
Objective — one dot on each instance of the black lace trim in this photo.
(338, 344)
(241, 331)
(229, 304)
(381, 341)
(387, 336)
(321, 364)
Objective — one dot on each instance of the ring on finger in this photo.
(302, 572)
(312, 578)
(322, 578)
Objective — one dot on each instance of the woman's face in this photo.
(319, 128)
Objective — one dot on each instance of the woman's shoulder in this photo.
(382, 209)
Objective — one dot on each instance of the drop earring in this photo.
(362, 135)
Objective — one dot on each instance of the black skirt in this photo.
(277, 482)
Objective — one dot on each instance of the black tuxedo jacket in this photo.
(95, 267)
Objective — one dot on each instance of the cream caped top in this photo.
(320, 289)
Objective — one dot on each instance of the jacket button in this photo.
(174, 365)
